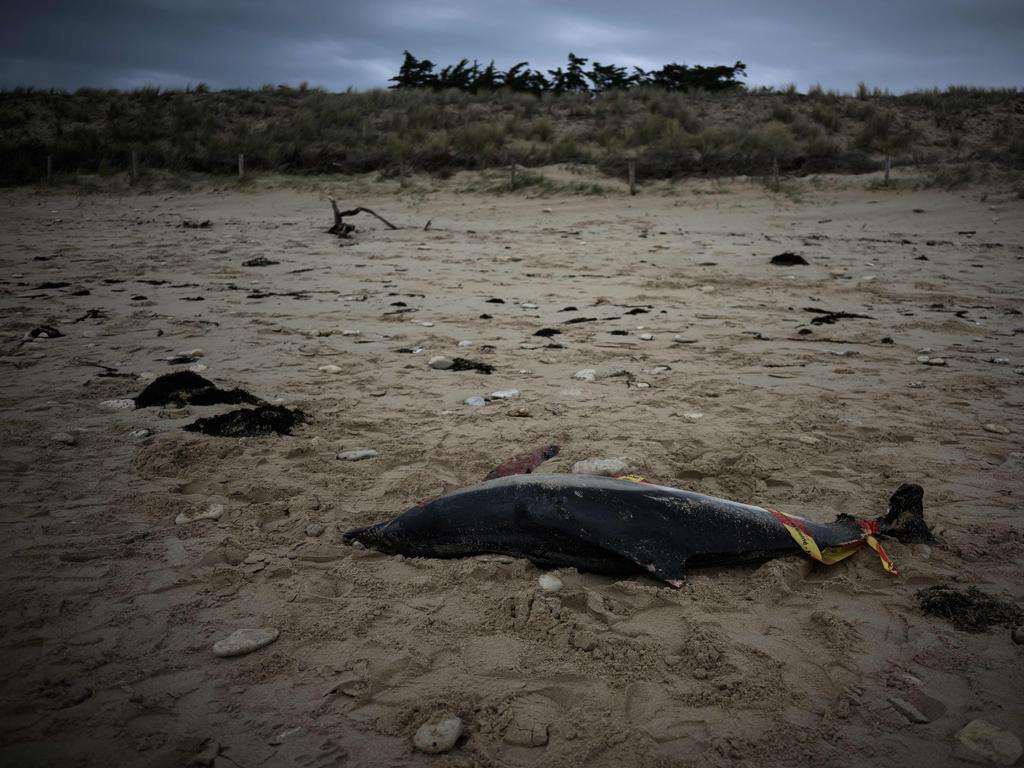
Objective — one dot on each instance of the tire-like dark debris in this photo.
(788, 259)
(249, 422)
(969, 610)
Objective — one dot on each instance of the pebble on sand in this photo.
(314, 530)
(995, 745)
(440, 362)
(997, 429)
(586, 374)
(597, 466)
(214, 512)
(549, 582)
(1000, 360)
(358, 454)
(435, 738)
(122, 404)
(647, 336)
(244, 641)
(505, 394)
(65, 438)
(140, 434)
(329, 369)
(475, 401)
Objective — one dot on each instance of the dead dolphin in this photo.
(621, 526)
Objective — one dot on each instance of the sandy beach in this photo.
(708, 375)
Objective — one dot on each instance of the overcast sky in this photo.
(895, 44)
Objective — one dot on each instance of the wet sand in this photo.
(111, 608)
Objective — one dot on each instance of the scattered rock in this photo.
(440, 362)
(329, 369)
(584, 640)
(351, 332)
(586, 374)
(693, 415)
(647, 336)
(997, 429)
(139, 434)
(1000, 360)
(700, 673)
(995, 745)
(788, 259)
(313, 530)
(123, 404)
(519, 413)
(213, 512)
(259, 261)
(244, 641)
(908, 710)
(357, 454)
(65, 438)
(549, 582)
(935, 361)
(504, 394)
(475, 401)
(465, 343)
(597, 466)
(435, 738)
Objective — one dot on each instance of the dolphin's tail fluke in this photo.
(371, 536)
(904, 520)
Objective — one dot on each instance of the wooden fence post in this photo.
(241, 165)
(401, 172)
(776, 185)
(632, 177)
(888, 166)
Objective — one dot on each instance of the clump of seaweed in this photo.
(968, 610)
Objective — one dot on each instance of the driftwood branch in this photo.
(342, 229)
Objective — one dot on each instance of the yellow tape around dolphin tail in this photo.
(832, 555)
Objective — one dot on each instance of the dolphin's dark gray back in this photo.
(595, 523)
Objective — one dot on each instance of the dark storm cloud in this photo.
(129, 43)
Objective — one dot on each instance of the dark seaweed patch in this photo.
(968, 610)
(249, 422)
(188, 388)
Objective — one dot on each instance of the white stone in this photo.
(350, 332)
(465, 343)
(586, 374)
(997, 746)
(426, 324)
(505, 394)
(214, 512)
(693, 415)
(647, 336)
(440, 362)
(193, 353)
(329, 369)
(549, 582)
(1000, 360)
(936, 361)
(198, 367)
(139, 434)
(923, 359)
(597, 466)
(435, 738)
(244, 641)
(357, 454)
(528, 305)
(997, 429)
(314, 529)
(475, 401)
(124, 404)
